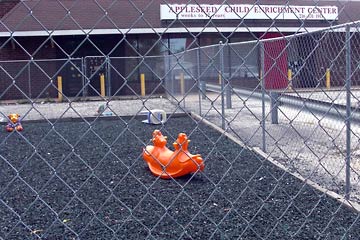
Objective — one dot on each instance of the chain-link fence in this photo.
(273, 122)
(300, 107)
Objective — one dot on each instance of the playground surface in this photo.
(88, 180)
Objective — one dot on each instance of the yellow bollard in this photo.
(182, 84)
(327, 78)
(289, 75)
(220, 79)
(60, 88)
(142, 84)
(102, 85)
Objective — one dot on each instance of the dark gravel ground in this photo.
(73, 181)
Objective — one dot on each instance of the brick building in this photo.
(86, 38)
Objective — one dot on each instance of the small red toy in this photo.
(14, 123)
(170, 164)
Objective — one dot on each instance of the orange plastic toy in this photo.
(14, 123)
(170, 164)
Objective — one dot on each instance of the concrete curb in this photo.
(95, 117)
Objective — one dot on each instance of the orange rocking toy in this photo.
(170, 164)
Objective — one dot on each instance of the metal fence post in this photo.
(274, 105)
(228, 96)
(262, 83)
(82, 76)
(182, 88)
(348, 112)
(200, 83)
(165, 80)
(87, 80)
(29, 78)
(108, 75)
(173, 75)
(221, 45)
(227, 88)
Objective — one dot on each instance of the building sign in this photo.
(246, 11)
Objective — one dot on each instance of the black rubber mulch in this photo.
(73, 181)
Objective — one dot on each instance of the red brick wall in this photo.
(6, 6)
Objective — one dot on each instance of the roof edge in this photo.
(157, 31)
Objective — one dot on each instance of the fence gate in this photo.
(95, 67)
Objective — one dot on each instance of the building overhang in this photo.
(47, 33)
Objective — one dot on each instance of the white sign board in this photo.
(247, 11)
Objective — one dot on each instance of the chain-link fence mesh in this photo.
(272, 115)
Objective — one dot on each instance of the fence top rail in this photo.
(134, 57)
(354, 26)
(40, 60)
